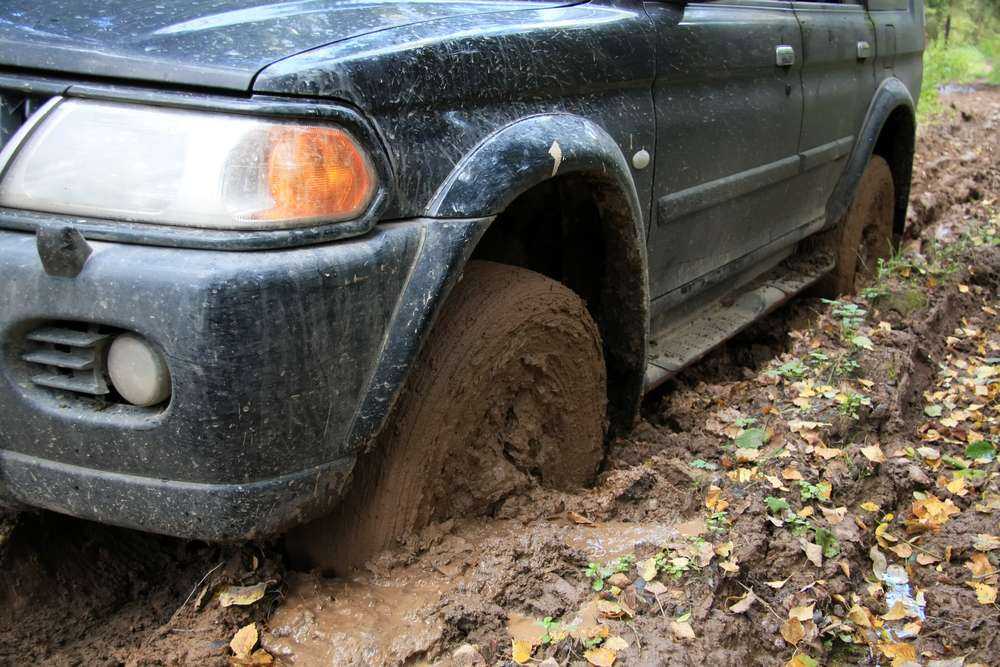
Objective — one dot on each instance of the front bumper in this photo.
(283, 364)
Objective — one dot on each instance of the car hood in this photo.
(205, 43)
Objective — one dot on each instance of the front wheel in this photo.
(509, 388)
(864, 236)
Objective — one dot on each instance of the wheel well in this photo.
(579, 229)
(896, 143)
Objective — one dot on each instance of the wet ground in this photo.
(772, 507)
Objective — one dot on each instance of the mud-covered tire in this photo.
(509, 389)
(865, 234)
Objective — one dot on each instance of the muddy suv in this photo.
(350, 267)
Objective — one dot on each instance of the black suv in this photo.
(385, 262)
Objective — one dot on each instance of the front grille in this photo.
(15, 108)
(69, 357)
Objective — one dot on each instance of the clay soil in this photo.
(770, 507)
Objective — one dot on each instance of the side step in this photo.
(685, 342)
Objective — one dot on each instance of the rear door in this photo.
(728, 102)
(838, 81)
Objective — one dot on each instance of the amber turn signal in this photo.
(316, 173)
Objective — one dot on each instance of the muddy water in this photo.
(615, 539)
(363, 621)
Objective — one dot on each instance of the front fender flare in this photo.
(891, 97)
(534, 149)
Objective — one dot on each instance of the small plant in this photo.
(798, 525)
(775, 505)
(850, 315)
(745, 422)
(850, 404)
(597, 572)
(809, 491)
(554, 632)
(717, 522)
(677, 566)
(792, 370)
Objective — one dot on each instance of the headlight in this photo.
(187, 168)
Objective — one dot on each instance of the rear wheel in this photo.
(509, 388)
(865, 234)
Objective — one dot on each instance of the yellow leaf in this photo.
(859, 616)
(775, 482)
(985, 594)
(957, 486)
(241, 595)
(730, 565)
(986, 542)
(803, 613)
(258, 657)
(743, 604)
(647, 569)
(979, 565)
(714, 500)
(521, 651)
(610, 609)
(869, 506)
(244, 640)
(834, 516)
(792, 631)
(615, 643)
(903, 550)
(806, 511)
(723, 549)
(873, 453)
(777, 584)
(901, 652)
(682, 629)
(897, 612)
(791, 474)
(600, 657)
(926, 559)
(745, 455)
(913, 628)
(930, 513)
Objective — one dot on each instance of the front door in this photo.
(728, 102)
(838, 79)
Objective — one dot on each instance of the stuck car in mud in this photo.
(348, 268)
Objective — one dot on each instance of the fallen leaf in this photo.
(600, 656)
(521, 651)
(903, 550)
(729, 566)
(714, 500)
(801, 660)
(610, 609)
(777, 584)
(746, 455)
(985, 594)
(930, 513)
(897, 612)
(792, 631)
(898, 651)
(682, 629)
(648, 570)
(879, 564)
(241, 595)
(802, 613)
(244, 640)
(979, 565)
(656, 588)
(926, 559)
(834, 516)
(869, 506)
(615, 643)
(814, 552)
(791, 474)
(258, 657)
(578, 518)
(775, 482)
(873, 453)
(986, 542)
(744, 603)
(723, 549)
(860, 616)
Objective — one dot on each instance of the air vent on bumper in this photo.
(68, 359)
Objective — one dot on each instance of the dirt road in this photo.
(823, 490)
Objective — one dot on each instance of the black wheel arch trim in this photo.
(531, 150)
(891, 98)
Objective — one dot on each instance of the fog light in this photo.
(138, 371)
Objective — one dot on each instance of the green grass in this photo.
(955, 63)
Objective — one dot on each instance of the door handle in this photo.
(784, 55)
(864, 50)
